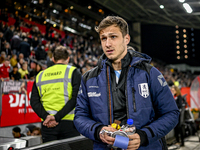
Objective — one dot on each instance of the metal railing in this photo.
(75, 143)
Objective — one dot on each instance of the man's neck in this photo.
(117, 65)
(62, 62)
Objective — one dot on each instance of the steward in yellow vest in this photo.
(54, 95)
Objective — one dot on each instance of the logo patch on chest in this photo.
(143, 90)
(94, 94)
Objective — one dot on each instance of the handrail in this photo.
(58, 142)
(36, 61)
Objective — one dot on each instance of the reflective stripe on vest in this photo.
(53, 112)
(66, 81)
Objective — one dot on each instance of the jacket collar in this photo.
(137, 57)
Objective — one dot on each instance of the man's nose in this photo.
(108, 43)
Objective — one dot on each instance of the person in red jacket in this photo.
(4, 70)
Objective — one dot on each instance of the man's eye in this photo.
(113, 37)
(103, 39)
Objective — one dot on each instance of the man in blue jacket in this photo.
(124, 86)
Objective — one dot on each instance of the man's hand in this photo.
(105, 138)
(134, 142)
(52, 124)
(50, 121)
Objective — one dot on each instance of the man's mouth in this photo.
(109, 51)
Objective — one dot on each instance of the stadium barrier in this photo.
(75, 143)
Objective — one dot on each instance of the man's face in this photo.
(33, 65)
(15, 69)
(24, 67)
(7, 63)
(113, 43)
(28, 133)
(35, 132)
(7, 46)
(15, 134)
(173, 91)
(21, 56)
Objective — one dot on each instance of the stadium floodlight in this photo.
(34, 1)
(182, 1)
(55, 11)
(161, 7)
(70, 29)
(74, 19)
(187, 8)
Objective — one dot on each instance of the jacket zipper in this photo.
(134, 104)
(109, 96)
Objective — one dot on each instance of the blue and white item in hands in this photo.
(130, 127)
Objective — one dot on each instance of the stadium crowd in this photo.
(24, 54)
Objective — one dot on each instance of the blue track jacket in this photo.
(148, 99)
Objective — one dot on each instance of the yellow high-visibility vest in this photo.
(55, 88)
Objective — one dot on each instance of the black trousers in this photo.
(179, 129)
(65, 129)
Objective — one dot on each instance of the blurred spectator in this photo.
(16, 131)
(5, 27)
(24, 48)
(36, 131)
(13, 60)
(15, 75)
(21, 56)
(35, 42)
(15, 42)
(2, 41)
(24, 71)
(2, 57)
(9, 33)
(32, 66)
(40, 53)
(32, 54)
(35, 71)
(7, 50)
(49, 59)
(29, 129)
(87, 67)
(4, 70)
(179, 129)
(20, 63)
(1, 26)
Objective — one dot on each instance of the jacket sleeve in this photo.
(76, 79)
(36, 103)
(83, 117)
(165, 108)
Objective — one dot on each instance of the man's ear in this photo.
(68, 59)
(53, 60)
(127, 38)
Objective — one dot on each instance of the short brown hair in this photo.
(113, 20)
(60, 53)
